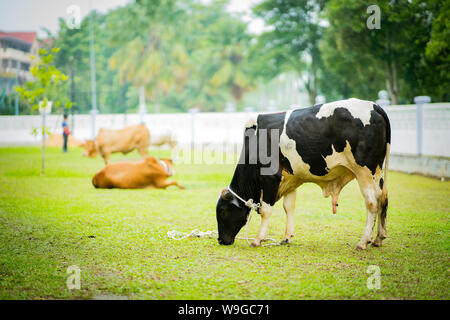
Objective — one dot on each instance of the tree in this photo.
(229, 44)
(294, 40)
(45, 86)
(153, 56)
(218, 48)
(437, 50)
(72, 56)
(347, 73)
(47, 80)
(396, 50)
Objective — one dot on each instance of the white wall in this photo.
(219, 128)
(436, 129)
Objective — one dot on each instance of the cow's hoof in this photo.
(361, 247)
(377, 243)
(255, 244)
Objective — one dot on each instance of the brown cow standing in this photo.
(147, 173)
(123, 140)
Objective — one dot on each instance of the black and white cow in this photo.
(328, 144)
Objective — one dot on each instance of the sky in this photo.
(32, 15)
(255, 25)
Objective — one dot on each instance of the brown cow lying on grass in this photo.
(123, 140)
(147, 173)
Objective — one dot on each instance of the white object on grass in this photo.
(177, 235)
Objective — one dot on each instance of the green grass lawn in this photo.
(118, 238)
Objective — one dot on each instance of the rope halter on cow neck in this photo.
(249, 203)
(165, 166)
(253, 206)
(173, 234)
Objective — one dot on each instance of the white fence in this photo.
(208, 127)
(435, 132)
(220, 128)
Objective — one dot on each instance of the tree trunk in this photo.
(124, 97)
(391, 72)
(311, 83)
(392, 81)
(311, 86)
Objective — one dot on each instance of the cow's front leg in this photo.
(105, 154)
(289, 208)
(265, 212)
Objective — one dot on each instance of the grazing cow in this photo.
(123, 140)
(147, 173)
(327, 144)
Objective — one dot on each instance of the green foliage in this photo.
(187, 54)
(393, 57)
(73, 59)
(348, 70)
(47, 80)
(293, 42)
(167, 54)
(437, 51)
(342, 57)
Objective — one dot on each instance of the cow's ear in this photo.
(149, 160)
(225, 194)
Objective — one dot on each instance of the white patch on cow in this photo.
(288, 149)
(369, 193)
(344, 158)
(359, 109)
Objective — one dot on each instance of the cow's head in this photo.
(90, 149)
(231, 217)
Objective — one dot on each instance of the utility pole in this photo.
(142, 106)
(16, 109)
(94, 110)
(124, 97)
(72, 98)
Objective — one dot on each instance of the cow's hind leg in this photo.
(371, 191)
(382, 234)
(105, 154)
(289, 208)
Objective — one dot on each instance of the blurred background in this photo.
(182, 65)
(227, 55)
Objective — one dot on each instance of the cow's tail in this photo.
(384, 192)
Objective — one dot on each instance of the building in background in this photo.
(16, 49)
